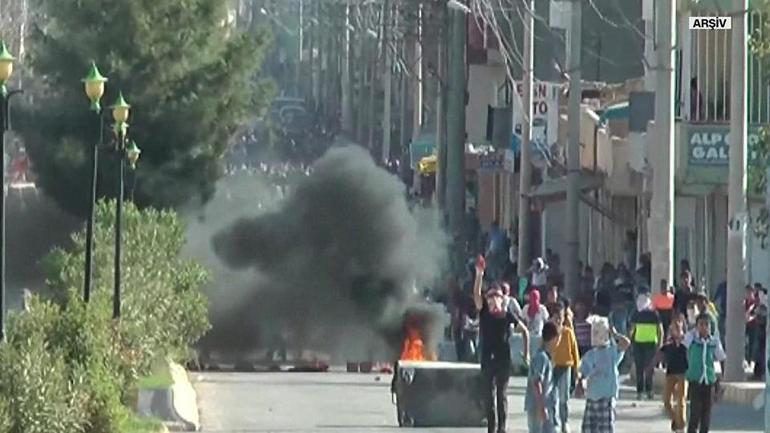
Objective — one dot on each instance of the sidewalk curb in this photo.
(176, 406)
(740, 393)
(185, 399)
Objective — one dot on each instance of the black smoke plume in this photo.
(341, 261)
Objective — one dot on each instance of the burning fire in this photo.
(414, 347)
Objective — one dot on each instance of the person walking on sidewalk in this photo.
(600, 369)
(495, 324)
(674, 353)
(703, 350)
(647, 336)
(535, 315)
(566, 359)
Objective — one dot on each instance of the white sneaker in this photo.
(565, 429)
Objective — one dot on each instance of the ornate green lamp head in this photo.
(6, 67)
(132, 154)
(120, 109)
(94, 83)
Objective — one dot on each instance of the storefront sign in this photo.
(497, 161)
(492, 161)
(545, 119)
(709, 145)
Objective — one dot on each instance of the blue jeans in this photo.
(534, 344)
(562, 376)
(538, 426)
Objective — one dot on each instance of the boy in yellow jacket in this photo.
(566, 359)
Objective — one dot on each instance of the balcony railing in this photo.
(703, 75)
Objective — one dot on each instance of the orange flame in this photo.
(414, 348)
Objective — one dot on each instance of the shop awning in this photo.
(615, 111)
(556, 189)
(427, 165)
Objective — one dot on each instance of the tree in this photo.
(757, 171)
(189, 74)
(164, 310)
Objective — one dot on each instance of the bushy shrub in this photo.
(41, 396)
(67, 366)
(164, 310)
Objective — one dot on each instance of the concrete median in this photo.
(176, 406)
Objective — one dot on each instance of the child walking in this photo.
(674, 353)
(599, 367)
(703, 350)
(542, 399)
(566, 360)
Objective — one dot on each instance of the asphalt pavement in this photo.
(344, 402)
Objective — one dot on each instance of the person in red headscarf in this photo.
(536, 315)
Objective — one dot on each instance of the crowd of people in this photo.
(578, 346)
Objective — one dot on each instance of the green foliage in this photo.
(68, 365)
(163, 309)
(191, 80)
(757, 183)
(43, 398)
(757, 172)
(143, 425)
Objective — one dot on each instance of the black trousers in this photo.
(644, 353)
(496, 375)
(701, 399)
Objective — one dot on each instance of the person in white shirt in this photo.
(539, 271)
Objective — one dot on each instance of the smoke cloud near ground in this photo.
(339, 262)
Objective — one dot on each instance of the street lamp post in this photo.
(120, 112)
(94, 87)
(6, 69)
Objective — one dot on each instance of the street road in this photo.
(344, 402)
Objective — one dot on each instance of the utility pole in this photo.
(362, 97)
(374, 63)
(300, 46)
(456, 91)
(525, 166)
(405, 101)
(441, 123)
(736, 199)
(661, 243)
(316, 61)
(415, 43)
(387, 84)
(347, 87)
(573, 151)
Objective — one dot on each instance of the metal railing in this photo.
(704, 97)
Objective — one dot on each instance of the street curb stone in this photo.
(741, 393)
(185, 399)
(176, 406)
